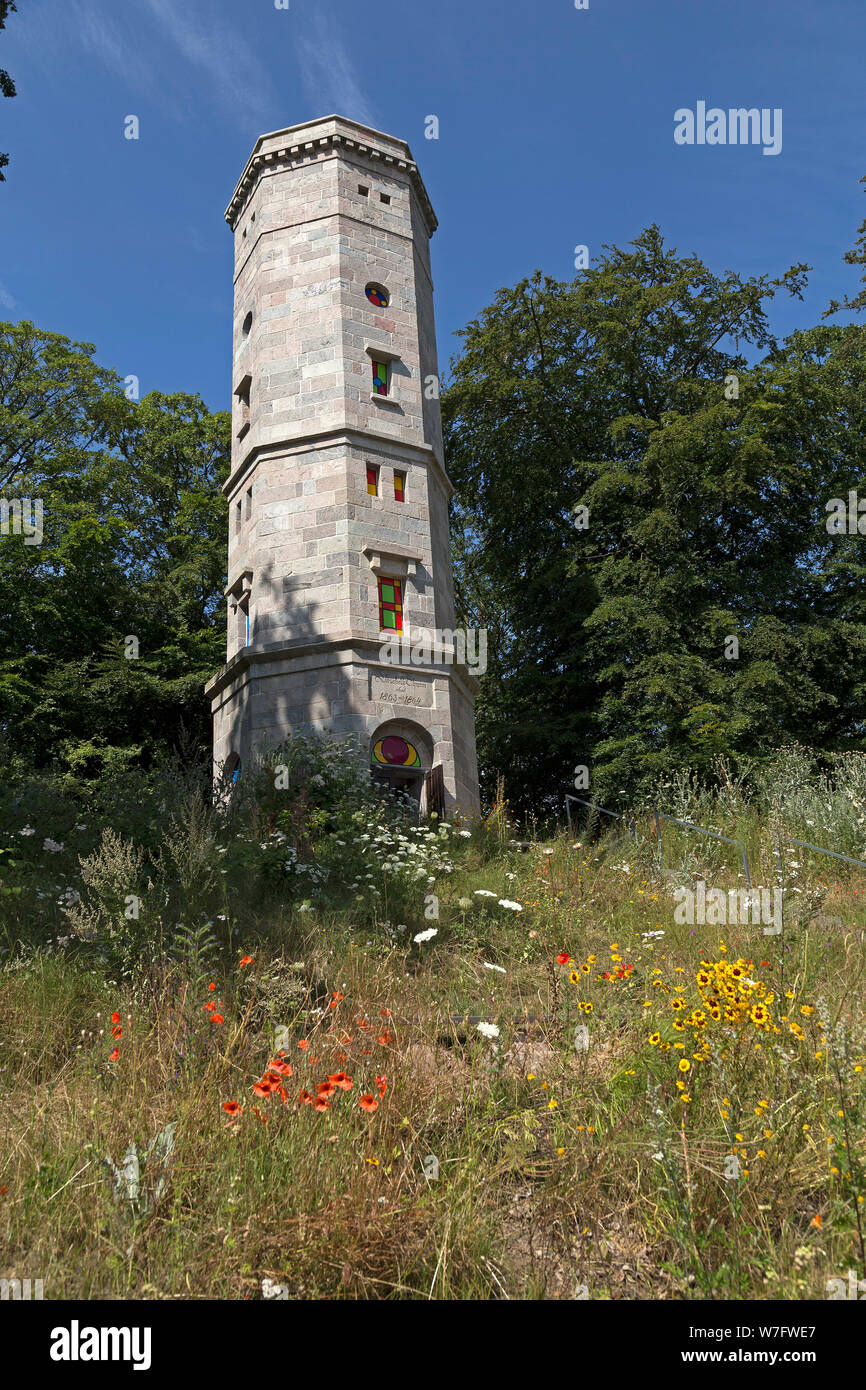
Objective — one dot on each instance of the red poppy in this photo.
(211, 986)
(384, 1013)
(231, 1107)
(322, 1103)
(563, 958)
(217, 1018)
(384, 1039)
(210, 1006)
(305, 1098)
(282, 1068)
(336, 999)
(340, 1079)
(326, 1089)
(113, 1056)
(115, 1017)
(368, 1104)
(272, 1078)
(303, 1044)
(381, 1084)
(262, 1089)
(245, 960)
(117, 1032)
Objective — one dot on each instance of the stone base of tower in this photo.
(340, 686)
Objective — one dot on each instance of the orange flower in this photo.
(381, 1084)
(305, 1098)
(340, 1079)
(115, 1017)
(211, 1006)
(384, 1039)
(246, 960)
(322, 1103)
(113, 1056)
(211, 986)
(303, 1044)
(368, 1104)
(336, 999)
(231, 1107)
(217, 1018)
(817, 1221)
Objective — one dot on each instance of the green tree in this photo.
(7, 86)
(133, 547)
(634, 392)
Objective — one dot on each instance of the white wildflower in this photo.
(488, 1030)
(506, 902)
(426, 935)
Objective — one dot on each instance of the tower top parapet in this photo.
(299, 143)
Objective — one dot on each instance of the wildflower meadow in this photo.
(294, 1043)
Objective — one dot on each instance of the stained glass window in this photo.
(377, 296)
(373, 482)
(380, 378)
(394, 751)
(399, 481)
(391, 604)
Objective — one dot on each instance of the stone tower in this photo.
(338, 496)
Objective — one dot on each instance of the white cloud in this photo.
(222, 53)
(329, 77)
(7, 300)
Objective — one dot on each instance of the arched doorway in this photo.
(401, 755)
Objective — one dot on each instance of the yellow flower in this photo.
(685, 1064)
(560, 1152)
(552, 1104)
(655, 1039)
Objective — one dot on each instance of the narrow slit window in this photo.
(399, 486)
(237, 517)
(380, 378)
(248, 506)
(373, 481)
(390, 605)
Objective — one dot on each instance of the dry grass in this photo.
(558, 1167)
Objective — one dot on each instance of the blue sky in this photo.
(556, 129)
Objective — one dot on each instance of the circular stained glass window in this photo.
(378, 296)
(394, 751)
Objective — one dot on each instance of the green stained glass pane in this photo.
(388, 619)
(387, 593)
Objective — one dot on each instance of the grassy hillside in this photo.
(672, 1111)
